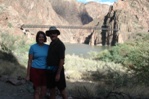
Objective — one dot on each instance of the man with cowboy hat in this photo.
(55, 62)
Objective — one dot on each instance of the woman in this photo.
(36, 69)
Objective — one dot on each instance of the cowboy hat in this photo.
(52, 30)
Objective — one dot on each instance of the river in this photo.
(82, 49)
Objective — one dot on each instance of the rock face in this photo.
(37, 12)
(128, 16)
(14, 13)
(96, 10)
(72, 11)
(133, 17)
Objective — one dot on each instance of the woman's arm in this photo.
(30, 57)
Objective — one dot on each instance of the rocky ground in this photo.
(9, 91)
(17, 88)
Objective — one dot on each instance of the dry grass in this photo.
(79, 67)
(91, 79)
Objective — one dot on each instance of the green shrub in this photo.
(134, 55)
(13, 51)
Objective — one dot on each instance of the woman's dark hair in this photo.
(37, 36)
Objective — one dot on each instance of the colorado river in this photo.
(82, 49)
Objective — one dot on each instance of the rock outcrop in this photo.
(124, 19)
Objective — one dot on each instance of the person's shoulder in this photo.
(46, 45)
(61, 42)
(35, 44)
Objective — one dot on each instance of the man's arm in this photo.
(61, 63)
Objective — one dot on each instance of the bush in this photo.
(13, 54)
(134, 55)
